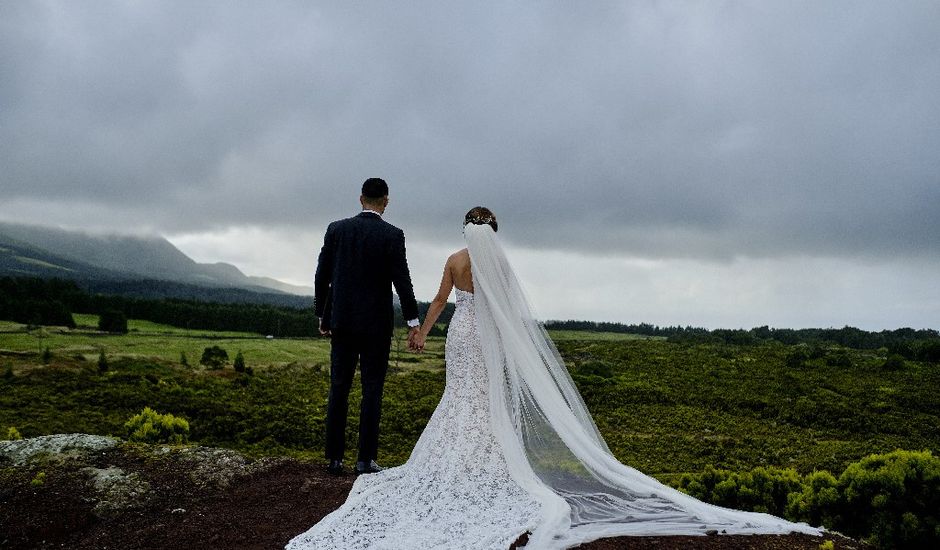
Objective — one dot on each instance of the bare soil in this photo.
(261, 508)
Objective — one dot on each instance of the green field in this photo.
(663, 407)
(148, 340)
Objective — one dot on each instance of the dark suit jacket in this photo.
(362, 257)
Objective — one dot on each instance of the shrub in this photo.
(797, 357)
(929, 350)
(46, 355)
(596, 368)
(152, 427)
(214, 357)
(102, 362)
(13, 434)
(817, 352)
(818, 502)
(760, 490)
(893, 362)
(239, 362)
(8, 373)
(839, 359)
(113, 321)
(893, 498)
(183, 360)
(39, 479)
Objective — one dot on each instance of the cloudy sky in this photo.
(720, 164)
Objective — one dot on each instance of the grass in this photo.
(663, 407)
(148, 340)
(681, 407)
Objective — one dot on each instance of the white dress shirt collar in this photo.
(379, 214)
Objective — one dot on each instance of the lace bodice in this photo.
(455, 490)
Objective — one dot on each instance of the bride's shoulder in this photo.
(460, 256)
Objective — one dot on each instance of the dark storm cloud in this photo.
(703, 130)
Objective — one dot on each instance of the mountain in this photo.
(31, 250)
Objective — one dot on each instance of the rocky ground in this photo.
(90, 492)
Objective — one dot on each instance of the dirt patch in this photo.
(249, 504)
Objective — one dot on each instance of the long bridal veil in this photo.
(552, 444)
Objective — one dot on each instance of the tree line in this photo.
(917, 344)
(35, 301)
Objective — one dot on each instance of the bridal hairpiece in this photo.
(481, 220)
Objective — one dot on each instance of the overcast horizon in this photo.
(721, 164)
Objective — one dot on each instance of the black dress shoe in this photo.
(335, 467)
(367, 467)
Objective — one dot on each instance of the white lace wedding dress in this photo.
(455, 486)
(512, 448)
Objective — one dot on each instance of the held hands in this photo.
(415, 340)
(324, 331)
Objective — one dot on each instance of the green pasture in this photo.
(662, 407)
(148, 340)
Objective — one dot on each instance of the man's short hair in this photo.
(374, 188)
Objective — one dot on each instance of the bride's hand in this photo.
(417, 343)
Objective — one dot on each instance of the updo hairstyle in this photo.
(481, 215)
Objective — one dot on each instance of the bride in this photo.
(511, 447)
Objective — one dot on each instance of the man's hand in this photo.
(415, 340)
(324, 331)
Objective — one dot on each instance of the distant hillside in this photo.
(153, 289)
(19, 259)
(31, 250)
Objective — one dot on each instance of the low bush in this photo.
(797, 357)
(839, 359)
(893, 362)
(818, 502)
(891, 500)
(39, 479)
(595, 368)
(113, 321)
(239, 363)
(214, 357)
(149, 426)
(760, 490)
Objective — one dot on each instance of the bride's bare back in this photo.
(459, 265)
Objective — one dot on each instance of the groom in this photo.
(362, 257)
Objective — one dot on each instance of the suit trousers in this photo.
(372, 353)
